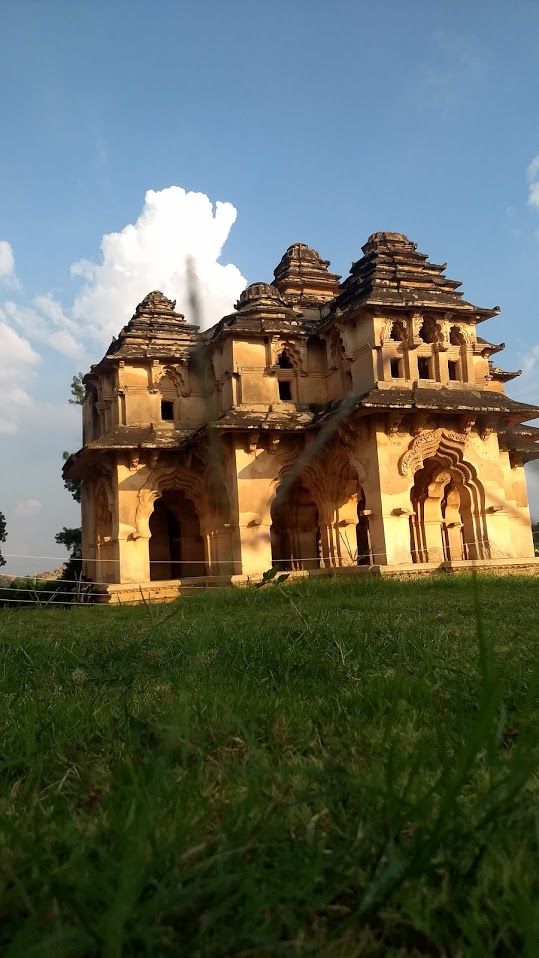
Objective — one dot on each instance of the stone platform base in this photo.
(171, 589)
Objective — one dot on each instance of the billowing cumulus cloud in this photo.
(7, 265)
(176, 231)
(174, 227)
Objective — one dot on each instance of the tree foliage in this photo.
(73, 486)
(77, 390)
(71, 539)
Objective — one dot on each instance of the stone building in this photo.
(321, 425)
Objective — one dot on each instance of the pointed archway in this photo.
(176, 544)
(448, 518)
(295, 528)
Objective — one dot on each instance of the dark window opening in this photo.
(453, 368)
(428, 331)
(398, 332)
(167, 410)
(285, 390)
(455, 336)
(423, 368)
(284, 362)
(396, 368)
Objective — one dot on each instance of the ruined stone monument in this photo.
(321, 425)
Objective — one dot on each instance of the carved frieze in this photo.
(425, 445)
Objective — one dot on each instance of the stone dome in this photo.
(259, 292)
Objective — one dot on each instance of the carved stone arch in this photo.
(336, 349)
(176, 374)
(295, 520)
(430, 331)
(167, 478)
(94, 385)
(444, 476)
(350, 434)
(394, 330)
(104, 519)
(426, 444)
(292, 351)
(459, 335)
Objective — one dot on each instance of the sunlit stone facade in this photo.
(321, 425)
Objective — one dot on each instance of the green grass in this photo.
(338, 768)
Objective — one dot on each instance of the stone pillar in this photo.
(387, 495)
(255, 545)
(254, 486)
(87, 502)
(343, 534)
(134, 559)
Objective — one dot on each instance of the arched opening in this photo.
(349, 542)
(429, 331)
(176, 545)
(295, 528)
(92, 417)
(104, 545)
(285, 378)
(456, 337)
(284, 361)
(399, 333)
(448, 520)
(363, 534)
(168, 389)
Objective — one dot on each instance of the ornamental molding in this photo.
(294, 353)
(385, 331)
(425, 445)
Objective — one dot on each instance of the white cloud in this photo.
(526, 387)
(532, 175)
(28, 508)
(17, 360)
(173, 228)
(7, 265)
(47, 323)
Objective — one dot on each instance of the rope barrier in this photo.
(17, 555)
(49, 595)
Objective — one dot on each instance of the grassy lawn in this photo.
(338, 768)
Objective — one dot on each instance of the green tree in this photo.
(71, 539)
(77, 390)
(3, 535)
(73, 486)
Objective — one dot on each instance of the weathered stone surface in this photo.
(319, 427)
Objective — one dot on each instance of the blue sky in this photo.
(318, 122)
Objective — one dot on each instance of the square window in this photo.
(453, 369)
(285, 390)
(423, 368)
(167, 410)
(396, 368)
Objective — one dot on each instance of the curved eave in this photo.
(503, 375)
